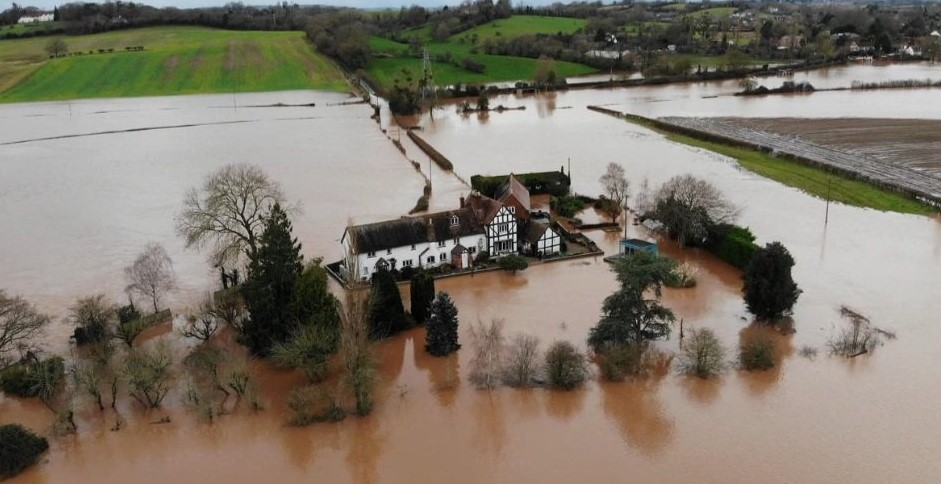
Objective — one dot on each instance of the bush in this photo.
(472, 65)
(565, 366)
(24, 379)
(619, 361)
(513, 262)
(756, 354)
(683, 276)
(731, 243)
(769, 290)
(19, 449)
(703, 355)
(567, 206)
(482, 257)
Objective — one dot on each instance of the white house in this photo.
(422, 241)
(454, 237)
(46, 17)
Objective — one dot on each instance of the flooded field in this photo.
(83, 207)
(913, 143)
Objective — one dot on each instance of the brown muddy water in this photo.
(78, 209)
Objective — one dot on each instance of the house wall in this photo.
(494, 235)
(549, 243)
(419, 256)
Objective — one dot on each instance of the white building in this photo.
(455, 237)
(46, 17)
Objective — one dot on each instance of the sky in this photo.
(48, 4)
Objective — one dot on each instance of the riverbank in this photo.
(837, 184)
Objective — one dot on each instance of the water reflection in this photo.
(758, 383)
(564, 405)
(635, 407)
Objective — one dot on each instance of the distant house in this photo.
(790, 42)
(607, 54)
(46, 17)
(455, 237)
(935, 34)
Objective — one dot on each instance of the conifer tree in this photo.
(269, 289)
(769, 291)
(422, 292)
(387, 313)
(441, 335)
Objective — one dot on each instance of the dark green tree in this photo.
(422, 292)
(630, 315)
(386, 312)
(314, 305)
(441, 335)
(269, 290)
(770, 292)
(19, 449)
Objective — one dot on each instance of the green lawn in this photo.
(519, 25)
(388, 62)
(633, 28)
(715, 12)
(812, 180)
(176, 60)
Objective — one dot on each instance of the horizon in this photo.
(361, 4)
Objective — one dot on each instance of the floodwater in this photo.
(82, 207)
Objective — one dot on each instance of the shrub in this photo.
(307, 350)
(483, 257)
(769, 290)
(683, 276)
(422, 292)
(26, 379)
(19, 449)
(731, 243)
(472, 65)
(565, 366)
(567, 206)
(756, 354)
(703, 355)
(619, 361)
(513, 262)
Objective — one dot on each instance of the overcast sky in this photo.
(48, 4)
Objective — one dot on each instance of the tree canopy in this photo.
(269, 289)
(387, 313)
(769, 290)
(151, 275)
(422, 291)
(441, 337)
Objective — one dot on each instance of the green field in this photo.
(390, 58)
(717, 12)
(812, 180)
(176, 60)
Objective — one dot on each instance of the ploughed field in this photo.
(912, 143)
(175, 60)
(899, 153)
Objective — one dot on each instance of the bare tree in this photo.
(487, 363)
(203, 323)
(687, 205)
(94, 317)
(228, 212)
(522, 363)
(20, 325)
(56, 47)
(151, 275)
(616, 186)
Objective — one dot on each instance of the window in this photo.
(472, 250)
(457, 240)
(441, 243)
(365, 271)
(407, 263)
(430, 259)
(512, 209)
(503, 228)
(455, 221)
(371, 254)
(413, 246)
(388, 251)
(444, 257)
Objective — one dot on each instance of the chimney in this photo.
(462, 201)
(431, 230)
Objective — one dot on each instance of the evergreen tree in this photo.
(269, 290)
(314, 307)
(770, 292)
(441, 335)
(422, 292)
(387, 313)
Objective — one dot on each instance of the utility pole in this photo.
(826, 217)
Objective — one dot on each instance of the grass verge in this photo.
(808, 179)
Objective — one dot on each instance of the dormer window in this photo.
(512, 209)
(455, 221)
